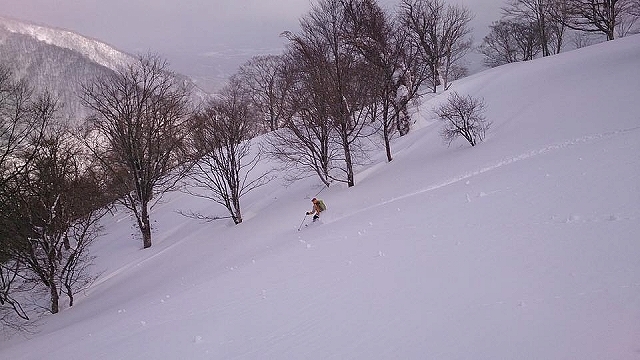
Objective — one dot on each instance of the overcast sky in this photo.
(205, 39)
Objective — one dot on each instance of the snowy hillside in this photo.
(60, 60)
(524, 247)
(95, 50)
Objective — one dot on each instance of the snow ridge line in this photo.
(507, 161)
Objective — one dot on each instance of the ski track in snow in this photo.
(501, 163)
(571, 219)
(136, 263)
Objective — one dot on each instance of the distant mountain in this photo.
(59, 60)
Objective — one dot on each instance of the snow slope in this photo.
(524, 247)
(95, 50)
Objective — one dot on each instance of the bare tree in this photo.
(627, 23)
(582, 39)
(12, 313)
(599, 16)
(303, 144)
(542, 15)
(58, 213)
(463, 116)
(137, 132)
(226, 162)
(338, 77)
(20, 128)
(268, 82)
(386, 48)
(557, 18)
(508, 42)
(21, 131)
(441, 32)
(634, 8)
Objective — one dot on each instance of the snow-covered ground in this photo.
(95, 50)
(524, 247)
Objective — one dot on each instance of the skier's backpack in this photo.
(322, 206)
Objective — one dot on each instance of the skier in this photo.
(318, 207)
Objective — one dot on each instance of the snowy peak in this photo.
(60, 60)
(95, 50)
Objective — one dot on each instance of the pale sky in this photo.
(205, 39)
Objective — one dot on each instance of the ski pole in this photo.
(305, 218)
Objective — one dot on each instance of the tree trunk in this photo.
(385, 133)
(145, 226)
(403, 118)
(238, 214)
(435, 77)
(348, 162)
(387, 144)
(69, 294)
(610, 22)
(55, 298)
(542, 26)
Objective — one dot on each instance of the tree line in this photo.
(350, 74)
(531, 28)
